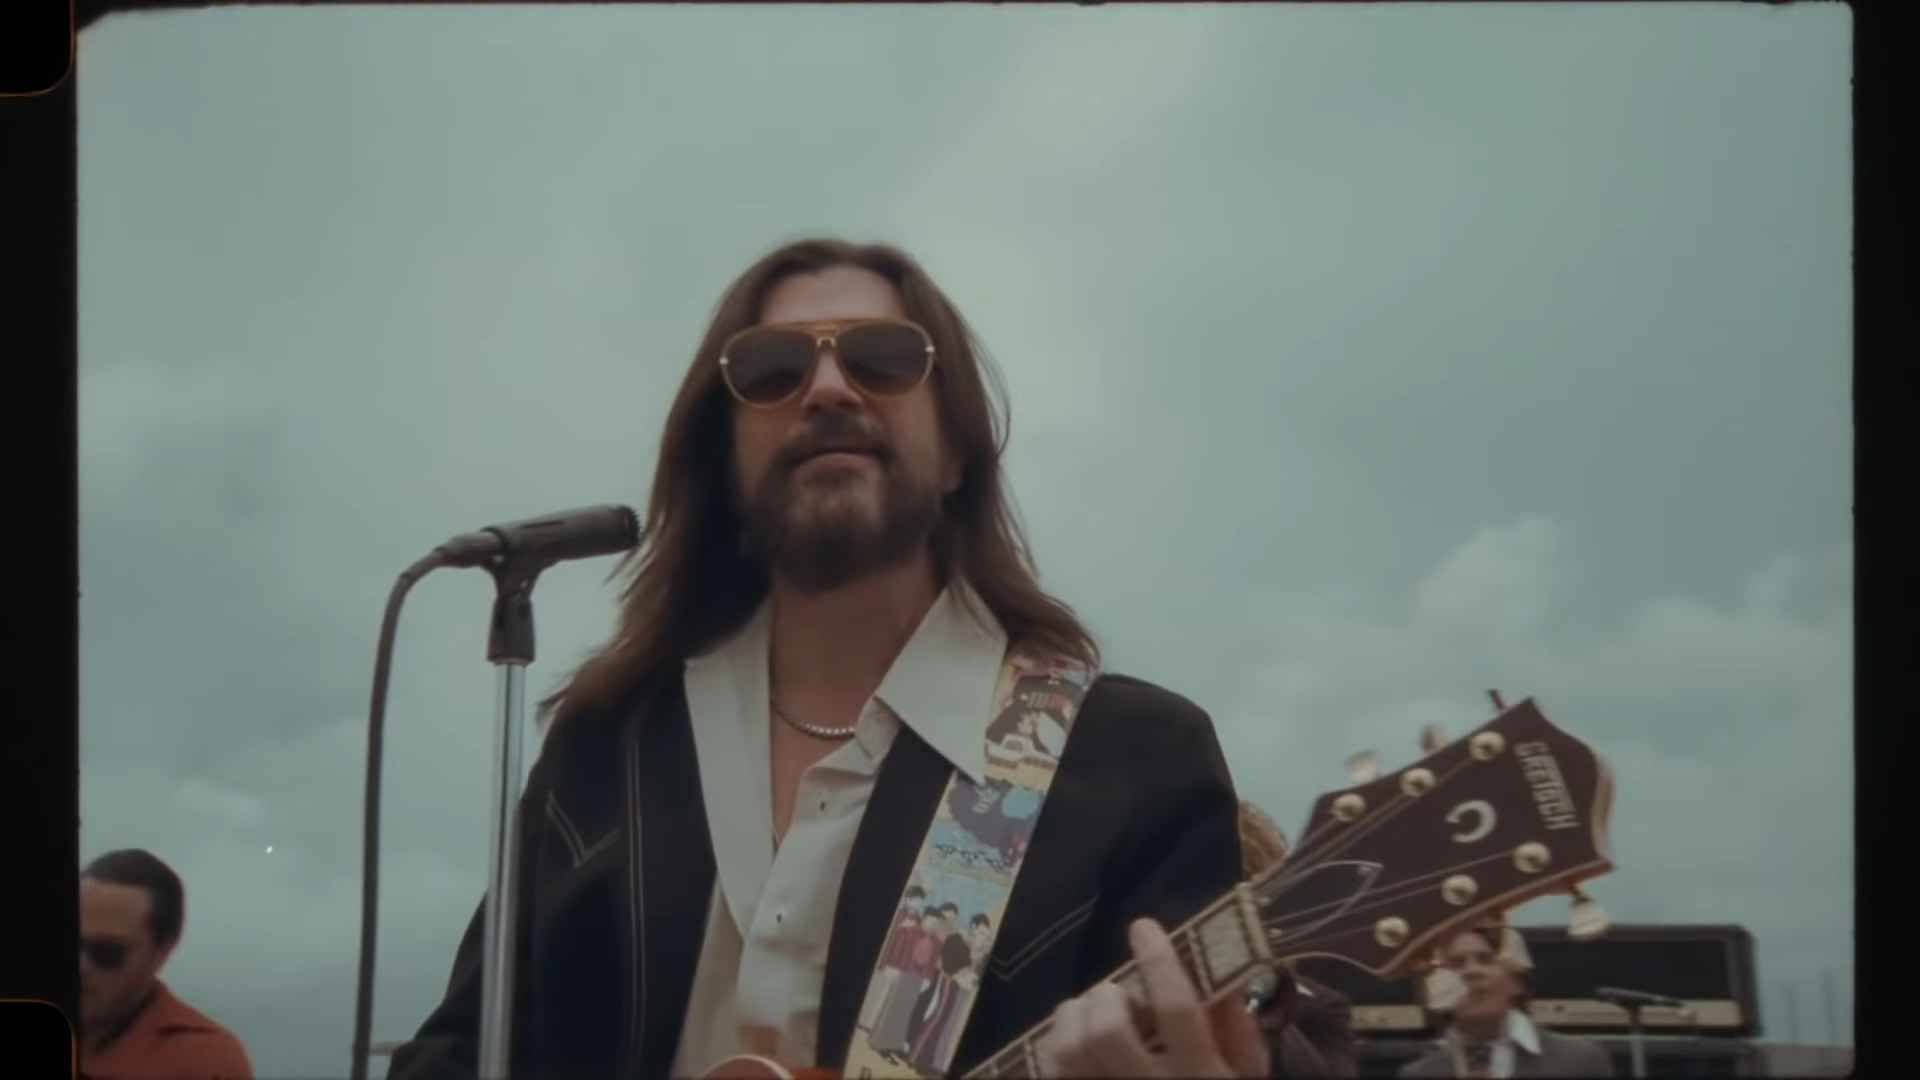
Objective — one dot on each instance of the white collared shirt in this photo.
(764, 956)
(1517, 1034)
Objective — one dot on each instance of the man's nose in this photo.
(829, 387)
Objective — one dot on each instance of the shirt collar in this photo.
(726, 692)
(1521, 1031)
(941, 685)
(1518, 1030)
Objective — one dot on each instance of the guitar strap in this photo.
(926, 979)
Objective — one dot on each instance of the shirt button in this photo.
(823, 805)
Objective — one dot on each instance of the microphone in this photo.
(1637, 999)
(586, 533)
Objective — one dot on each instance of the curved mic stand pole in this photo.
(370, 812)
(510, 650)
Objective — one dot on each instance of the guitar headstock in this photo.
(1387, 868)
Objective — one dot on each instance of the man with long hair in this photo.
(734, 790)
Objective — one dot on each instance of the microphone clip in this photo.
(510, 637)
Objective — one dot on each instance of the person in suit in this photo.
(1491, 1037)
(1308, 1025)
(733, 791)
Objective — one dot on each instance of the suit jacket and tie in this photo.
(617, 871)
(1560, 1057)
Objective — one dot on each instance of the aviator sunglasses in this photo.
(767, 366)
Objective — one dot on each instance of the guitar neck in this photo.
(1217, 949)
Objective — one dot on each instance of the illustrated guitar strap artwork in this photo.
(929, 971)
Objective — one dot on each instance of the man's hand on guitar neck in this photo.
(1100, 1032)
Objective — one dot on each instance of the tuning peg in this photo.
(1432, 738)
(1586, 920)
(1513, 950)
(1363, 766)
(1442, 989)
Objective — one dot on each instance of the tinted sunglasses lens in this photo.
(884, 358)
(765, 366)
(105, 955)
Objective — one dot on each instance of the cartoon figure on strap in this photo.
(929, 969)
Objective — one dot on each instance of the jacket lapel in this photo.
(909, 787)
(670, 877)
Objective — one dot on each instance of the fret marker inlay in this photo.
(1223, 947)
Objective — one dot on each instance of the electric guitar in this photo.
(1385, 871)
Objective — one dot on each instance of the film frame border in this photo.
(40, 127)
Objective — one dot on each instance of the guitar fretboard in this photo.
(1217, 948)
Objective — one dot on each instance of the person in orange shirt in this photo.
(132, 911)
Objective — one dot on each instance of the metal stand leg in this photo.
(1636, 1043)
(510, 649)
(496, 980)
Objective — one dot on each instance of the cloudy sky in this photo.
(1361, 359)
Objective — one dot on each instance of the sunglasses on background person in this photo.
(104, 955)
(767, 366)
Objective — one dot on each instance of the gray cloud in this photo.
(1360, 358)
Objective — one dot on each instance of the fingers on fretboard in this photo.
(1216, 950)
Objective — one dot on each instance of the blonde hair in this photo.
(1263, 846)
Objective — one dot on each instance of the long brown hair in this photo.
(690, 584)
(1263, 845)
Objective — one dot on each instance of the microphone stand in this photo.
(515, 554)
(1635, 1043)
(510, 649)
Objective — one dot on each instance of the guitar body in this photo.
(752, 1067)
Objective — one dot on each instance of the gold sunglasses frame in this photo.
(826, 336)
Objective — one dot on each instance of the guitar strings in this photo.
(1328, 842)
(1370, 902)
(1402, 889)
(1340, 839)
(1338, 842)
(1397, 890)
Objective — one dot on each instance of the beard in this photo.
(826, 530)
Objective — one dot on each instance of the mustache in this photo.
(837, 431)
